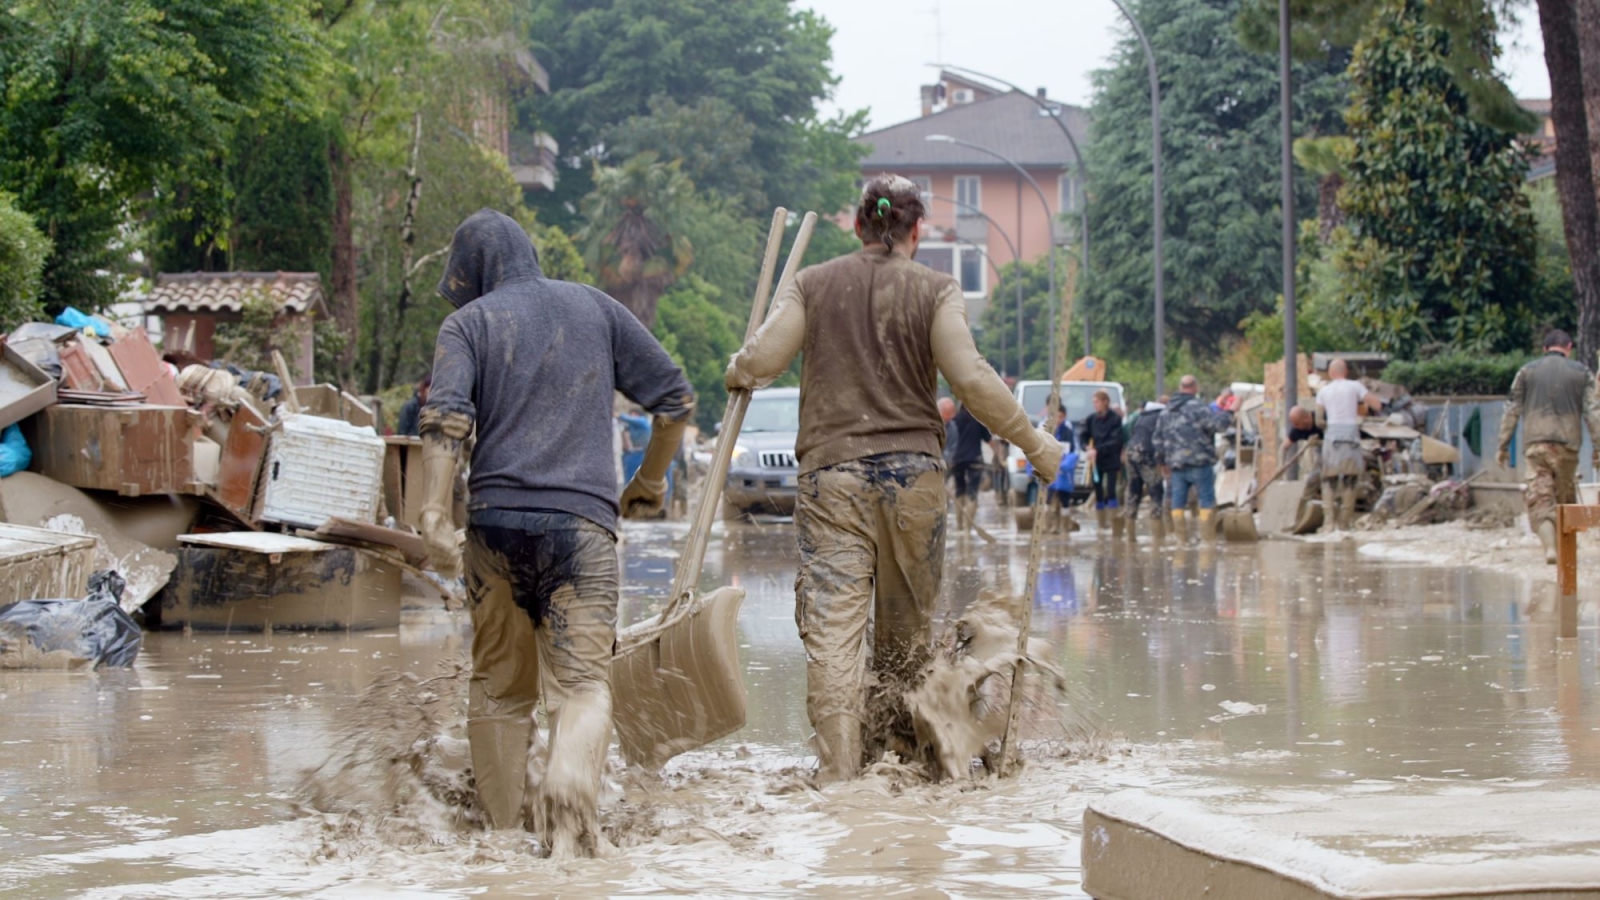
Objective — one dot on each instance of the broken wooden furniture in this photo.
(252, 581)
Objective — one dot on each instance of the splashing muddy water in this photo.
(184, 776)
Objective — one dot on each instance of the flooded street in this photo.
(1267, 665)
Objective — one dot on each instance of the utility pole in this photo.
(1291, 348)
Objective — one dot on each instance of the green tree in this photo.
(999, 322)
(633, 238)
(23, 251)
(1321, 26)
(1440, 245)
(106, 105)
(626, 73)
(1221, 170)
(701, 337)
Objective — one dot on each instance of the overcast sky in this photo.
(881, 48)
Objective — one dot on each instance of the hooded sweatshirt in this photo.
(533, 363)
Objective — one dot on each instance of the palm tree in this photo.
(634, 237)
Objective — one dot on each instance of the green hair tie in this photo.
(883, 206)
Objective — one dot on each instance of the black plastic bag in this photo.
(94, 630)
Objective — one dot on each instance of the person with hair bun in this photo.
(877, 328)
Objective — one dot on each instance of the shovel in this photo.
(1239, 523)
(675, 678)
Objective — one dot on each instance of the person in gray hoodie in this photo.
(530, 364)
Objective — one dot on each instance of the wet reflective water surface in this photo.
(1267, 664)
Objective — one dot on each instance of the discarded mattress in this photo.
(1367, 841)
(68, 633)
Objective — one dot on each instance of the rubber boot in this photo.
(1102, 520)
(1119, 525)
(1158, 526)
(1547, 537)
(500, 766)
(1330, 509)
(1208, 523)
(569, 798)
(1180, 528)
(839, 747)
(1347, 508)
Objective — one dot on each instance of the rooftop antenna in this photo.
(938, 30)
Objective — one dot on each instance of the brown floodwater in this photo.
(1273, 664)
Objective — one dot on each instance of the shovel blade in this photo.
(679, 688)
(1239, 525)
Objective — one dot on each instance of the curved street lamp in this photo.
(1049, 219)
(1159, 224)
(1014, 256)
(1083, 167)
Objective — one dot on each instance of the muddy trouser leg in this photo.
(1329, 504)
(909, 565)
(1552, 481)
(504, 686)
(579, 574)
(836, 527)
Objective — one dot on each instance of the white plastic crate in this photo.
(319, 468)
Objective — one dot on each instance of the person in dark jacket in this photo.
(531, 364)
(1186, 447)
(411, 412)
(1553, 397)
(966, 464)
(1101, 433)
(1144, 473)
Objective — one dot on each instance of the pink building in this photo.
(957, 180)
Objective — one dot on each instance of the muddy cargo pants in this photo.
(543, 590)
(1552, 479)
(871, 535)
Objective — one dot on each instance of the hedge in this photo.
(1457, 373)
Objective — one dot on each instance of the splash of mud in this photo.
(402, 774)
(962, 707)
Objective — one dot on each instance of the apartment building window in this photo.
(969, 194)
(964, 261)
(925, 187)
(1071, 192)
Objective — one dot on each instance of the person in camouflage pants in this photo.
(1552, 397)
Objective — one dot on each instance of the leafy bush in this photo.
(1457, 373)
(23, 251)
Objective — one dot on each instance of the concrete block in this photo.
(1370, 841)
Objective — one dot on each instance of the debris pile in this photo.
(187, 475)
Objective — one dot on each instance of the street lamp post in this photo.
(1014, 256)
(1049, 219)
(1083, 167)
(1291, 355)
(1160, 221)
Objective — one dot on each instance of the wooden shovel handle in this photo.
(694, 550)
(1304, 446)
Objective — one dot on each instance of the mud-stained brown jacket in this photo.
(1552, 396)
(877, 328)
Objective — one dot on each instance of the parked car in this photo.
(761, 478)
(1078, 398)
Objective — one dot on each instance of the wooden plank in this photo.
(240, 465)
(142, 368)
(1576, 517)
(78, 371)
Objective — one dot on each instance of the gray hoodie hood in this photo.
(489, 251)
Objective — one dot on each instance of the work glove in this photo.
(1046, 457)
(438, 525)
(736, 378)
(643, 498)
(646, 493)
(1503, 458)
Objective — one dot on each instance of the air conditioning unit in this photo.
(961, 95)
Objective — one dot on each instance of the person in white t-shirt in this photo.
(1341, 404)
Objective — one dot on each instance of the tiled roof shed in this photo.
(226, 292)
